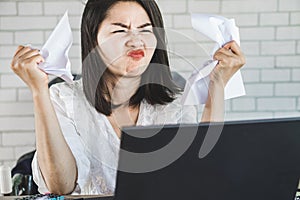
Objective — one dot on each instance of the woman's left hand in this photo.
(231, 59)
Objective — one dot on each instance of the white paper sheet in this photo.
(56, 49)
(221, 30)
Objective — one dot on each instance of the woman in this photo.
(126, 81)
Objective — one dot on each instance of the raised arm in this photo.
(231, 59)
(55, 158)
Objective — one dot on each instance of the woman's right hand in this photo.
(25, 65)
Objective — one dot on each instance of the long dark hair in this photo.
(157, 86)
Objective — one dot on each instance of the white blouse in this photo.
(93, 141)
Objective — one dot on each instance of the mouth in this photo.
(136, 54)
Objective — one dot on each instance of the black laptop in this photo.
(240, 160)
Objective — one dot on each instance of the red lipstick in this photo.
(136, 54)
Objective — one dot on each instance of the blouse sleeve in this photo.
(62, 100)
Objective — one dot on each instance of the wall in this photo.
(270, 39)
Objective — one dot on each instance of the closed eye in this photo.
(146, 31)
(119, 31)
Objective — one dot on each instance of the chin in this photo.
(137, 71)
(133, 73)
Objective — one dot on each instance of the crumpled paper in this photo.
(56, 49)
(221, 30)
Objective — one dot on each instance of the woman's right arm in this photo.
(55, 158)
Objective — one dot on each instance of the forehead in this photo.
(127, 12)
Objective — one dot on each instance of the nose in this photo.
(135, 40)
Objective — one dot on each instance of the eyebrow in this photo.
(125, 26)
(145, 25)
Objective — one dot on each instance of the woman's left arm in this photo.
(231, 59)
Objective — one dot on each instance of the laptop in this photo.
(238, 160)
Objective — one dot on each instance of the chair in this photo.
(22, 179)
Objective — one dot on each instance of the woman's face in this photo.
(126, 39)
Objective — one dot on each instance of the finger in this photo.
(20, 47)
(229, 44)
(22, 51)
(234, 47)
(226, 52)
(220, 66)
(222, 54)
(35, 59)
(29, 54)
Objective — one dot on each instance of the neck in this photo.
(124, 88)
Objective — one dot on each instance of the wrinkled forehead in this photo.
(127, 12)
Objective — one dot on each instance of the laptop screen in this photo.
(256, 159)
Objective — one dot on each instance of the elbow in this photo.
(61, 189)
(61, 185)
(60, 181)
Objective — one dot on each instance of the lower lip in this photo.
(137, 56)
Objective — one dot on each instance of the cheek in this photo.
(150, 41)
(150, 44)
(111, 49)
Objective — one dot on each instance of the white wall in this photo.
(270, 38)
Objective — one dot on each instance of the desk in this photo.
(67, 197)
(91, 197)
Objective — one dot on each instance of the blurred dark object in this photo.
(22, 166)
(23, 185)
(22, 179)
(58, 80)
